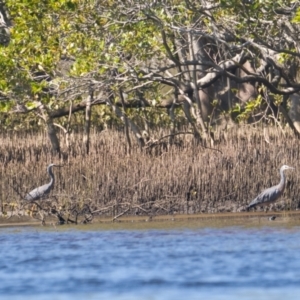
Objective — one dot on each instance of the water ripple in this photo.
(208, 263)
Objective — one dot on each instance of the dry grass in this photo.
(183, 178)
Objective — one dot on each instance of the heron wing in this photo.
(38, 192)
(267, 196)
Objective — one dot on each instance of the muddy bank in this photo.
(166, 221)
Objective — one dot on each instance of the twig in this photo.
(102, 209)
(121, 214)
(141, 208)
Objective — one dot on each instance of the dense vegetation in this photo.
(183, 178)
(141, 64)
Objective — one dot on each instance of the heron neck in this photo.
(51, 175)
(282, 180)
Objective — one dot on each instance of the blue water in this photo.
(205, 263)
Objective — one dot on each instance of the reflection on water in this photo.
(191, 263)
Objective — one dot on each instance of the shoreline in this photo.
(187, 220)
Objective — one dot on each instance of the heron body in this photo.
(271, 194)
(42, 191)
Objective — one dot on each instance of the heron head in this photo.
(285, 167)
(53, 165)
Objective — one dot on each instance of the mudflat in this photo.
(291, 218)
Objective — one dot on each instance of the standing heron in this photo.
(42, 191)
(271, 194)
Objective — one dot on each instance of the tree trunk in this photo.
(5, 23)
(125, 122)
(50, 127)
(53, 136)
(187, 108)
(132, 126)
(87, 125)
(195, 49)
(294, 112)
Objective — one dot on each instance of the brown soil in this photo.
(167, 221)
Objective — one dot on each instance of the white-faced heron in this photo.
(42, 191)
(271, 194)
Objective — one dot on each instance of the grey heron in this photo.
(271, 194)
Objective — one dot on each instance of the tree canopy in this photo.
(208, 57)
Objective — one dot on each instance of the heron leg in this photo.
(43, 217)
(31, 210)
